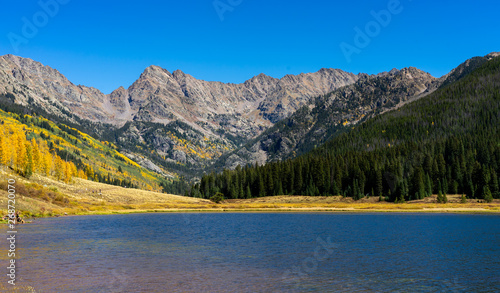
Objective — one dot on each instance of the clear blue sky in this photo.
(107, 44)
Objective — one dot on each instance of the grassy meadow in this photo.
(42, 196)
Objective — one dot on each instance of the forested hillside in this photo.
(33, 144)
(446, 142)
(328, 115)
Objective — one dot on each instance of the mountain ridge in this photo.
(180, 122)
(444, 143)
(161, 96)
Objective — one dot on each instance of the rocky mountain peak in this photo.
(493, 55)
(154, 71)
(238, 110)
(179, 73)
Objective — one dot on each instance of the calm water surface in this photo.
(243, 252)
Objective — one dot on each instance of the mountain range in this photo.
(419, 137)
(175, 121)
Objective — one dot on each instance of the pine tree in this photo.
(495, 189)
(298, 180)
(262, 189)
(428, 184)
(487, 194)
(378, 185)
(403, 191)
(355, 190)
(270, 184)
(445, 186)
(279, 190)
(440, 196)
(335, 189)
(248, 193)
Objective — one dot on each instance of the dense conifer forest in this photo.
(445, 143)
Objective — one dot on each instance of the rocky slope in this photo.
(179, 122)
(160, 96)
(33, 83)
(328, 115)
(242, 110)
(216, 116)
(331, 114)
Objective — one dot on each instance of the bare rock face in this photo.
(119, 99)
(223, 113)
(242, 110)
(294, 91)
(492, 55)
(262, 119)
(322, 117)
(35, 83)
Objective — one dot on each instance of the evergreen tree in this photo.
(378, 185)
(440, 196)
(428, 185)
(262, 188)
(248, 193)
(487, 194)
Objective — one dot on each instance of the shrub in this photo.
(217, 198)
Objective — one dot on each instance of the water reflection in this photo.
(261, 253)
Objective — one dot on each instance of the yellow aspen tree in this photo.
(74, 170)
(2, 152)
(36, 156)
(28, 165)
(48, 163)
(58, 167)
(81, 174)
(45, 158)
(11, 147)
(20, 150)
(7, 151)
(90, 172)
(67, 171)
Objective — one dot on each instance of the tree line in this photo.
(445, 143)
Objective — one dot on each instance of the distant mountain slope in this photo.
(160, 96)
(336, 112)
(176, 122)
(242, 110)
(465, 68)
(32, 83)
(445, 142)
(34, 144)
(224, 115)
(330, 114)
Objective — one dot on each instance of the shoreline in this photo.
(291, 211)
(79, 199)
(221, 210)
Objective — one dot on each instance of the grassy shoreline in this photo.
(44, 197)
(470, 211)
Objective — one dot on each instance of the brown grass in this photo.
(43, 196)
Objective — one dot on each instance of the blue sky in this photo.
(107, 44)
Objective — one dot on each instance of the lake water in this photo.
(260, 252)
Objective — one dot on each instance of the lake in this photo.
(260, 252)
